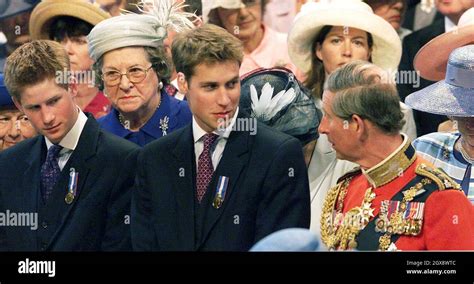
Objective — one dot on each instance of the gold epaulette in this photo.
(350, 174)
(437, 175)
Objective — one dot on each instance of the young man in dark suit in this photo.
(216, 185)
(72, 184)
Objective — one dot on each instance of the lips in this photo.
(222, 114)
(127, 97)
(52, 129)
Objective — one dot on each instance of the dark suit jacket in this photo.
(267, 191)
(96, 220)
(412, 43)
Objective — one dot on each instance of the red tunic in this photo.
(448, 219)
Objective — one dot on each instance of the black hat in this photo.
(275, 97)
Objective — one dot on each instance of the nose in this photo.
(67, 43)
(223, 97)
(125, 83)
(347, 48)
(398, 5)
(323, 125)
(47, 116)
(14, 129)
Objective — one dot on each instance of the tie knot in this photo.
(53, 151)
(209, 139)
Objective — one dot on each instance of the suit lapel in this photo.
(80, 161)
(233, 161)
(32, 182)
(184, 187)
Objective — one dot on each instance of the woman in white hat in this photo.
(454, 97)
(324, 37)
(133, 65)
(263, 47)
(69, 22)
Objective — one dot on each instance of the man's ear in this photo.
(360, 126)
(18, 104)
(182, 83)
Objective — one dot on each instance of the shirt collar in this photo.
(198, 132)
(71, 139)
(392, 166)
(448, 25)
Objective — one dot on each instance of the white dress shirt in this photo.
(218, 148)
(69, 142)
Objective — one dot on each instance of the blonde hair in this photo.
(34, 62)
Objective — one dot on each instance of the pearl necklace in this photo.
(463, 152)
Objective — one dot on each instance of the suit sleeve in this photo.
(406, 64)
(117, 230)
(143, 236)
(449, 221)
(285, 202)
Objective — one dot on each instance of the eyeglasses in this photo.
(134, 74)
(22, 121)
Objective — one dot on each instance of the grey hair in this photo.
(160, 61)
(361, 88)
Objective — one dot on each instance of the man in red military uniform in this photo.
(395, 200)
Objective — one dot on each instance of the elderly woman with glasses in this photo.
(14, 125)
(133, 66)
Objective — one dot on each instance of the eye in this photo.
(232, 84)
(359, 42)
(23, 119)
(79, 40)
(336, 40)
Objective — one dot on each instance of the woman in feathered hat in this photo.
(454, 97)
(132, 63)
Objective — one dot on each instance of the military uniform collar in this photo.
(393, 166)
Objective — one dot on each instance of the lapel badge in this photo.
(220, 192)
(72, 187)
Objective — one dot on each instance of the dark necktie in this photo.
(50, 171)
(205, 168)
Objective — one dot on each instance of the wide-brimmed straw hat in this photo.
(431, 60)
(387, 48)
(45, 12)
(454, 96)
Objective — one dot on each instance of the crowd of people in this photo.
(189, 125)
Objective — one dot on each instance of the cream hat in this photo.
(147, 29)
(46, 11)
(208, 5)
(387, 48)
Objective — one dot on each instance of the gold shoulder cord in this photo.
(338, 230)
